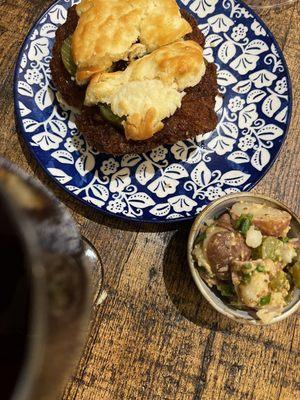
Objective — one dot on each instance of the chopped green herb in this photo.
(246, 278)
(239, 222)
(200, 237)
(245, 227)
(265, 300)
(247, 266)
(226, 290)
(243, 223)
(285, 239)
(261, 268)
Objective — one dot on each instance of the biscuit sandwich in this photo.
(135, 72)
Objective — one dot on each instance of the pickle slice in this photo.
(110, 117)
(270, 248)
(66, 55)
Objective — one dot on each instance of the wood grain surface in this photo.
(155, 337)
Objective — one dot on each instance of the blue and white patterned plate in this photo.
(170, 183)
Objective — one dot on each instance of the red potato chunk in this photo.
(224, 247)
(224, 221)
(270, 221)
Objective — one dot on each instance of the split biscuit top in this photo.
(109, 31)
(151, 88)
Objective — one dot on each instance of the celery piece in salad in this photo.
(243, 223)
(276, 250)
(270, 247)
(279, 282)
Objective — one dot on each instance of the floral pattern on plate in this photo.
(170, 183)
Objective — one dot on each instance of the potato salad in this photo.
(248, 257)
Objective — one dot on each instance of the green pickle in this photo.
(276, 250)
(295, 271)
(66, 55)
(270, 248)
(109, 116)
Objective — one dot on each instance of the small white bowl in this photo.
(217, 208)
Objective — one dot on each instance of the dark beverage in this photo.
(14, 302)
(44, 289)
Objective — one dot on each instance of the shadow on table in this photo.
(177, 277)
(86, 211)
(182, 290)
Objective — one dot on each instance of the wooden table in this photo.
(155, 337)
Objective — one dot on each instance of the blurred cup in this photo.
(44, 289)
